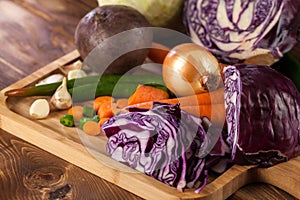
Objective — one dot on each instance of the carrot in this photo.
(206, 98)
(99, 100)
(145, 93)
(105, 110)
(122, 103)
(158, 52)
(214, 112)
(91, 128)
(201, 110)
(102, 120)
(76, 111)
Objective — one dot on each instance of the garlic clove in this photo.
(76, 73)
(51, 79)
(39, 109)
(62, 99)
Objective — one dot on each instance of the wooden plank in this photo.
(28, 172)
(88, 152)
(37, 26)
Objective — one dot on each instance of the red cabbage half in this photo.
(235, 30)
(163, 142)
(262, 115)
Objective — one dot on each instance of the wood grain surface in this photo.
(32, 34)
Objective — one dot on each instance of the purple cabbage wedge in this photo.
(235, 30)
(262, 115)
(162, 142)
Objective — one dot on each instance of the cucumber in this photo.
(108, 81)
(91, 91)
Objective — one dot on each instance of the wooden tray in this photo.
(88, 152)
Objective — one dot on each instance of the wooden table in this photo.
(32, 34)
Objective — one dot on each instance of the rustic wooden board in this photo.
(88, 152)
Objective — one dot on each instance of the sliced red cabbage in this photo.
(262, 114)
(235, 30)
(162, 142)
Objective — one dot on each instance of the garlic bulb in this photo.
(62, 99)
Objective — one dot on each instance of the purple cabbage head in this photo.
(262, 115)
(163, 142)
(236, 30)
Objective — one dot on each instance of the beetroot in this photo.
(100, 27)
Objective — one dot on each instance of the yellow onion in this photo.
(191, 69)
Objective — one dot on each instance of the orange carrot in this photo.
(207, 98)
(105, 110)
(99, 100)
(91, 128)
(122, 103)
(76, 111)
(102, 120)
(214, 112)
(145, 93)
(158, 52)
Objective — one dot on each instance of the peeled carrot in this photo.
(76, 111)
(99, 100)
(207, 98)
(158, 52)
(145, 93)
(105, 110)
(102, 120)
(214, 112)
(91, 128)
(122, 103)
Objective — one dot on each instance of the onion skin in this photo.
(190, 69)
